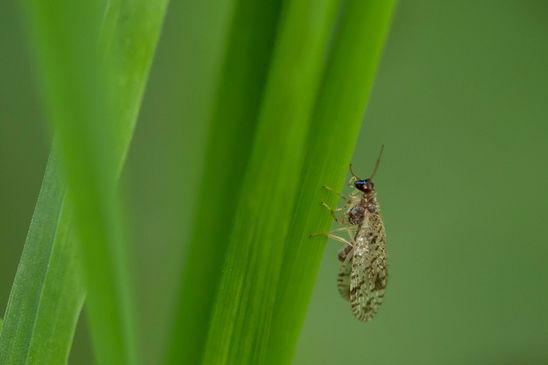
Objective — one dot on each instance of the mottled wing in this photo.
(369, 268)
(343, 280)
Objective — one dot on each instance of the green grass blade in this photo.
(130, 35)
(77, 94)
(40, 318)
(61, 299)
(21, 327)
(337, 119)
(240, 325)
(245, 63)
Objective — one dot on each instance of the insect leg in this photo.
(331, 190)
(332, 212)
(348, 230)
(332, 236)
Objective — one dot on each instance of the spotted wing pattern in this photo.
(343, 280)
(368, 276)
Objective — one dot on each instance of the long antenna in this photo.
(377, 163)
(352, 172)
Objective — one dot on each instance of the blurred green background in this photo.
(461, 104)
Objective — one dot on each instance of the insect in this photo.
(363, 266)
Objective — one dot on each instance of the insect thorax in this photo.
(356, 213)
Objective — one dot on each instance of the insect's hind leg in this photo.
(330, 235)
(349, 231)
(333, 236)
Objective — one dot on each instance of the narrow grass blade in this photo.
(40, 318)
(61, 299)
(337, 119)
(22, 328)
(77, 93)
(130, 33)
(240, 324)
(246, 59)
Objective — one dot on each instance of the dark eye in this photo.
(363, 185)
(360, 185)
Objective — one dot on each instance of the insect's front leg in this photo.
(333, 191)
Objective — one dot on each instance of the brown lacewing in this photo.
(363, 268)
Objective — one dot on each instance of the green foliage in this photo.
(292, 89)
(260, 206)
(336, 122)
(240, 322)
(459, 108)
(83, 102)
(47, 293)
(232, 127)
